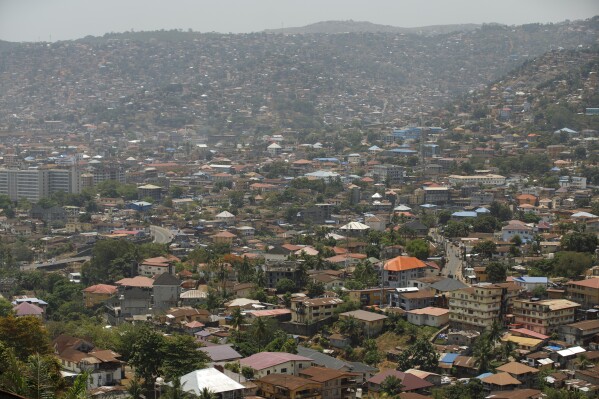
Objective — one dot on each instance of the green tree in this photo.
(496, 272)
(391, 385)
(486, 248)
(180, 355)
(285, 285)
(111, 260)
(146, 355)
(571, 264)
(27, 336)
(579, 242)
(315, 289)
(421, 353)
(483, 353)
(351, 327)
(418, 248)
(6, 307)
(456, 229)
(237, 318)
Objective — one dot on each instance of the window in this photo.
(283, 370)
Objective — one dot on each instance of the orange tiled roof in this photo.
(402, 263)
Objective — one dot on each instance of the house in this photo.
(411, 298)
(283, 386)
(372, 323)
(266, 363)
(500, 382)
(580, 333)
(523, 373)
(213, 380)
(409, 382)
(335, 384)
(545, 316)
(429, 316)
(225, 217)
(134, 297)
(97, 294)
(308, 311)
(28, 309)
(221, 353)
(517, 228)
(585, 292)
(399, 270)
(77, 355)
(223, 237)
(158, 265)
(361, 371)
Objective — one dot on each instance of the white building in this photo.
(213, 380)
(487, 180)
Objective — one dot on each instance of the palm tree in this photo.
(207, 394)
(351, 327)
(79, 388)
(237, 318)
(135, 389)
(260, 329)
(176, 391)
(483, 352)
(391, 385)
(583, 362)
(507, 350)
(494, 333)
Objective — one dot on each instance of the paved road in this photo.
(454, 263)
(161, 235)
(56, 263)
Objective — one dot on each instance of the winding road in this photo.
(161, 235)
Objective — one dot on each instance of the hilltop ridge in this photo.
(351, 26)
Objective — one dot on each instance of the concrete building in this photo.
(371, 322)
(266, 363)
(308, 311)
(545, 316)
(477, 307)
(398, 271)
(584, 292)
(429, 316)
(485, 180)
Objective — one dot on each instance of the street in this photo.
(161, 235)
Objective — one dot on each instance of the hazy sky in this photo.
(33, 20)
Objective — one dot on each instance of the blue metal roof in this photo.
(532, 280)
(449, 358)
(465, 214)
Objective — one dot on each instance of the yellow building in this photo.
(544, 317)
(97, 294)
(477, 307)
(369, 296)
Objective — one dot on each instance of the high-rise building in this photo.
(34, 184)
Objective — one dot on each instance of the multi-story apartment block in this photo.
(477, 307)
(391, 173)
(545, 316)
(35, 184)
(310, 311)
(584, 292)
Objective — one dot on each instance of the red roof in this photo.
(138, 281)
(530, 333)
(409, 381)
(590, 283)
(101, 289)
